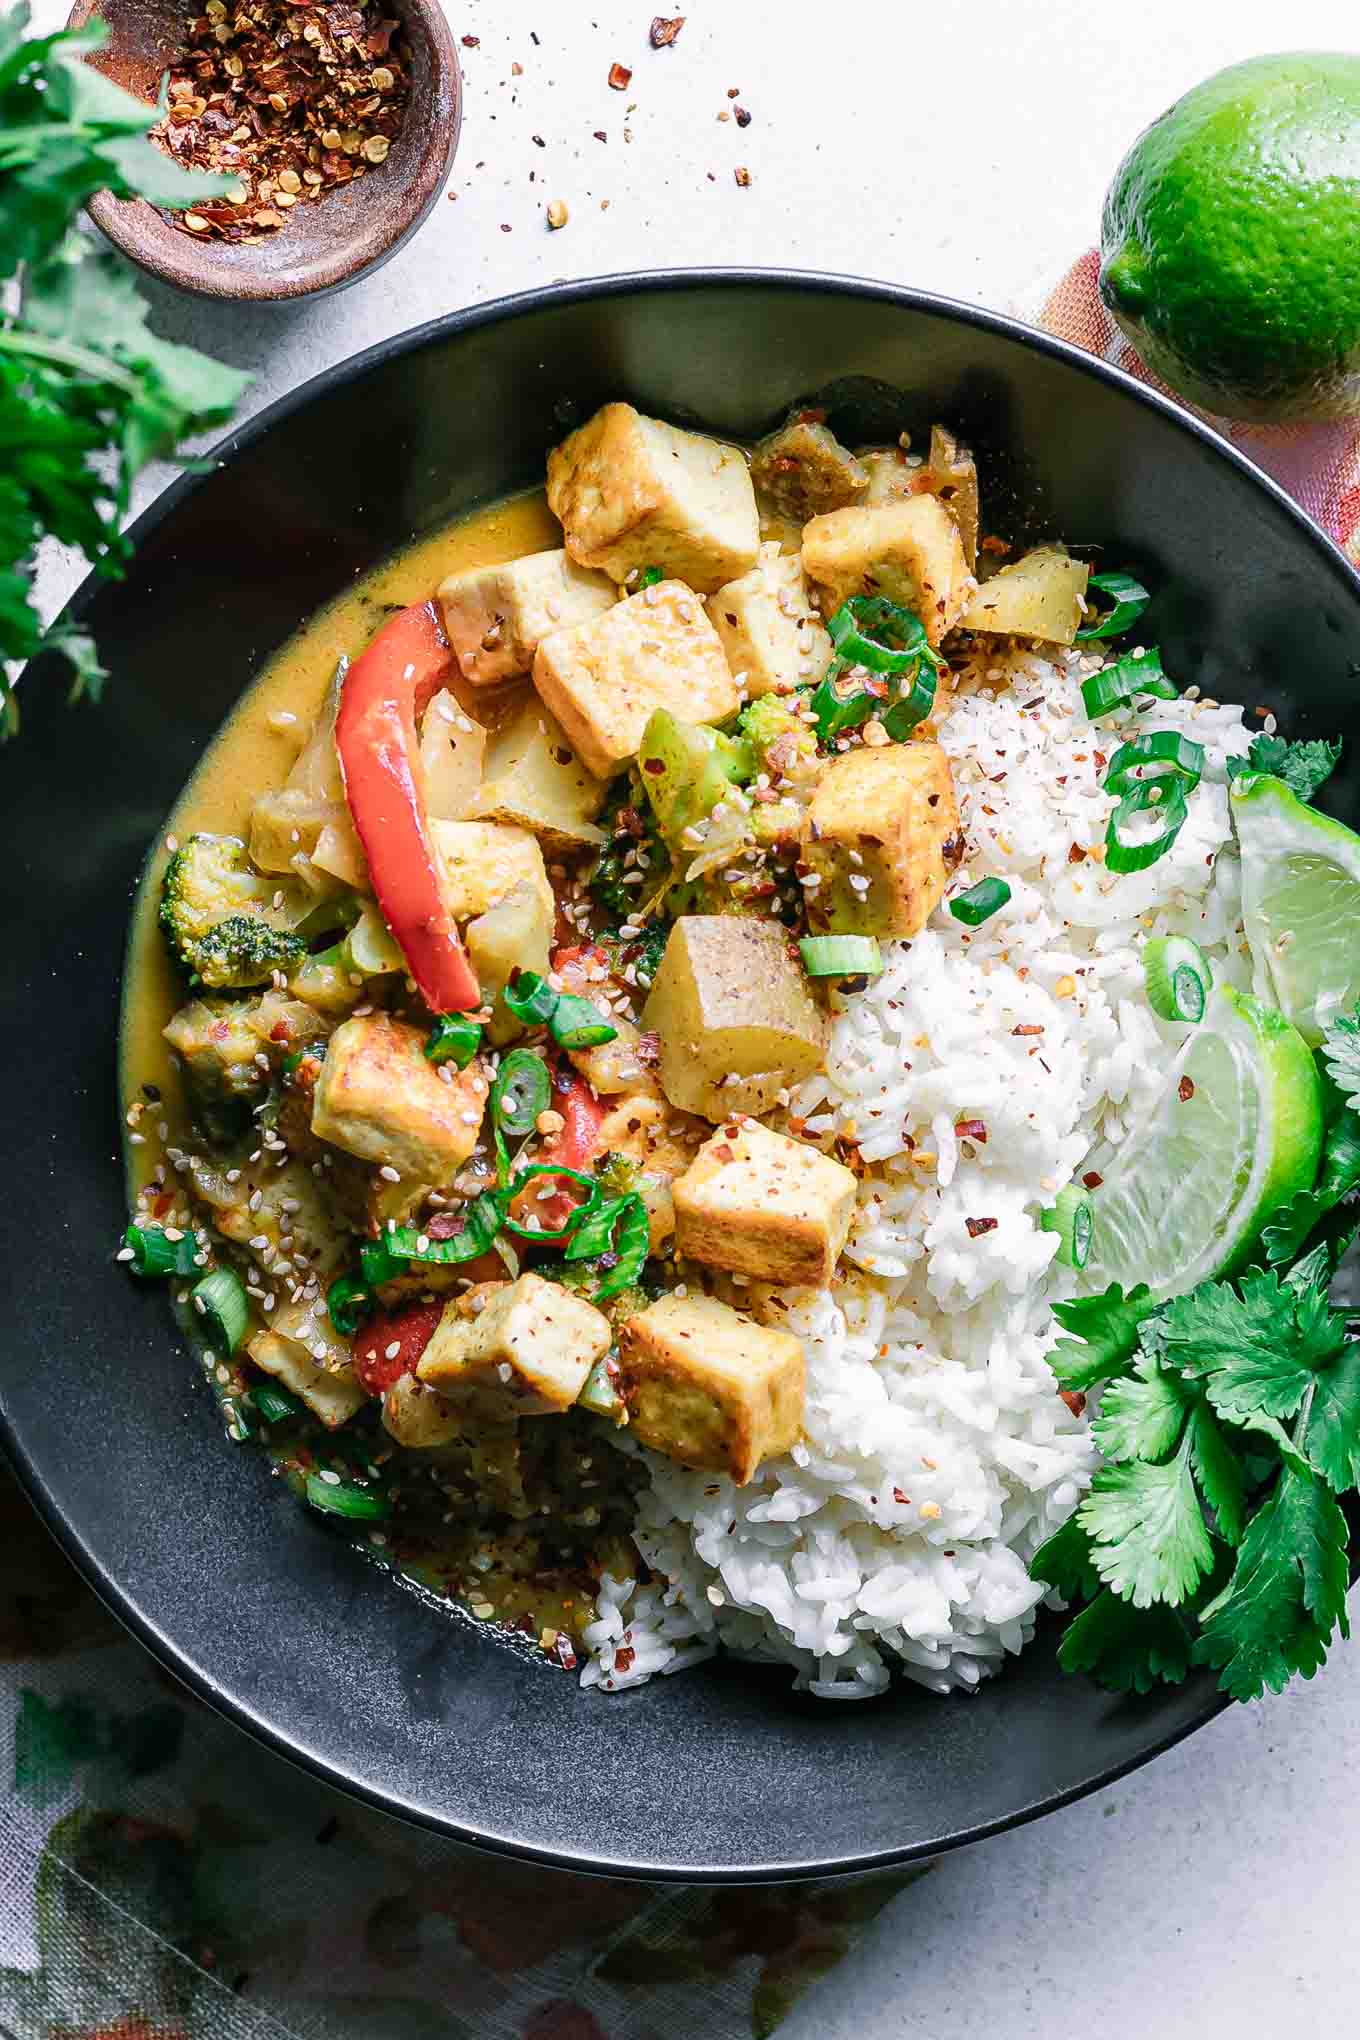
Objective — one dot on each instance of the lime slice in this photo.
(1237, 1131)
(1300, 902)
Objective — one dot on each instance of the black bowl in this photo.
(251, 1600)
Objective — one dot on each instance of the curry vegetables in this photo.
(486, 1169)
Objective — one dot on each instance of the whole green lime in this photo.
(1230, 241)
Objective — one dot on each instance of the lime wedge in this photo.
(1300, 902)
(1237, 1131)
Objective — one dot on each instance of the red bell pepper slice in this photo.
(375, 736)
(376, 1367)
(574, 1147)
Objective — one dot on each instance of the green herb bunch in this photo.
(88, 395)
(1229, 1421)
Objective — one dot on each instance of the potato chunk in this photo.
(1039, 596)
(773, 637)
(452, 747)
(495, 616)
(515, 934)
(528, 1352)
(483, 861)
(378, 1098)
(532, 779)
(763, 1205)
(804, 470)
(632, 492)
(892, 474)
(735, 1020)
(708, 1387)
(331, 1396)
(602, 680)
(883, 836)
(909, 551)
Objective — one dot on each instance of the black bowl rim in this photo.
(519, 305)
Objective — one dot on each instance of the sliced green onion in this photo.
(879, 635)
(220, 1299)
(911, 709)
(544, 1235)
(837, 956)
(575, 1023)
(594, 1235)
(348, 1302)
(1178, 977)
(649, 577)
(521, 1091)
(275, 1405)
(155, 1254)
(453, 1038)
(980, 902)
(1169, 802)
(1136, 673)
(882, 638)
(377, 1265)
(531, 999)
(632, 1244)
(481, 1224)
(1181, 757)
(837, 711)
(1130, 599)
(599, 1394)
(347, 1498)
(1069, 1216)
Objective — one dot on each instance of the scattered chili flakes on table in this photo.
(291, 100)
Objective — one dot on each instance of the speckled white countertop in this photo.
(1213, 1893)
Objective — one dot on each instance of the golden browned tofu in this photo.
(735, 1021)
(804, 470)
(892, 474)
(909, 551)
(532, 779)
(528, 1352)
(603, 680)
(709, 1388)
(483, 862)
(952, 475)
(774, 639)
(494, 617)
(333, 1395)
(420, 1418)
(661, 1141)
(632, 493)
(883, 836)
(377, 1097)
(764, 1205)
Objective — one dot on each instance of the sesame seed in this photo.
(389, 1174)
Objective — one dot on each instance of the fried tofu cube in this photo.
(763, 1205)
(377, 1097)
(883, 836)
(773, 637)
(529, 1350)
(494, 617)
(631, 493)
(661, 1142)
(420, 1418)
(482, 862)
(532, 779)
(892, 473)
(602, 680)
(331, 1395)
(804, 470)
(909, 551)
(708, 1388)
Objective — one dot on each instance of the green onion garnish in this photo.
(1130, 599)
(348, 1302)
(481, 1222)
(1175, 756)
(453, 1038)
(575, 1023)
(879, 635)
(649, 577)
(346, 1498)
(377, 1265)
(155, 1253)
(1136, 673)
(1178, 977)
(594, 1235)
(275, 1405)
(531, 998)
(632, 1243)
(599, 1394)
(543, 1234)
(220, 1299)
(521, 1091)
(882, 638)
(980, 902)
(1145, 794)
(1070, 1217)
(840, 956)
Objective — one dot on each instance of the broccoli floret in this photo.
(617, 1174)
(219, 920)
(763, 721)
(647, 951)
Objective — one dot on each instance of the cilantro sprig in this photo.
(1229, 1427)
(88, 394)
(1303, 764)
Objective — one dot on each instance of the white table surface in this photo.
(1214, 1892)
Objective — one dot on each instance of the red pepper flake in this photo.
(898, 1496)
(599, 134)
(978, 1226)
(564, 1653)
(1076, 855)
(999, 547)
(1075, 1400)
(741, 116)
(620, 77)
(471, 42)
(1026, 1027)
(623, 1659)
(1093, 1179)
(971, 1129)
(1185, 1090)
(742, 175)
(664, 30)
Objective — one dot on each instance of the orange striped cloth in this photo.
(1318, 464)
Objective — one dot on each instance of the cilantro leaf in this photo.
(1330, 1434)
(1341, 1053)
(1219, 1473)
(1255, 1346)
(1126, 1649)
(1141, 1416)
(1106, 1328)
(1302, 765)
(1064, 1562)
(1149, 1539)
(1286, 1595)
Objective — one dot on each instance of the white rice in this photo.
(937, 1452)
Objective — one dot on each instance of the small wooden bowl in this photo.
(325, 246)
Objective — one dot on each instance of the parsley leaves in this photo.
(1341, 1053)
(88, 394)
(1303, 765)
